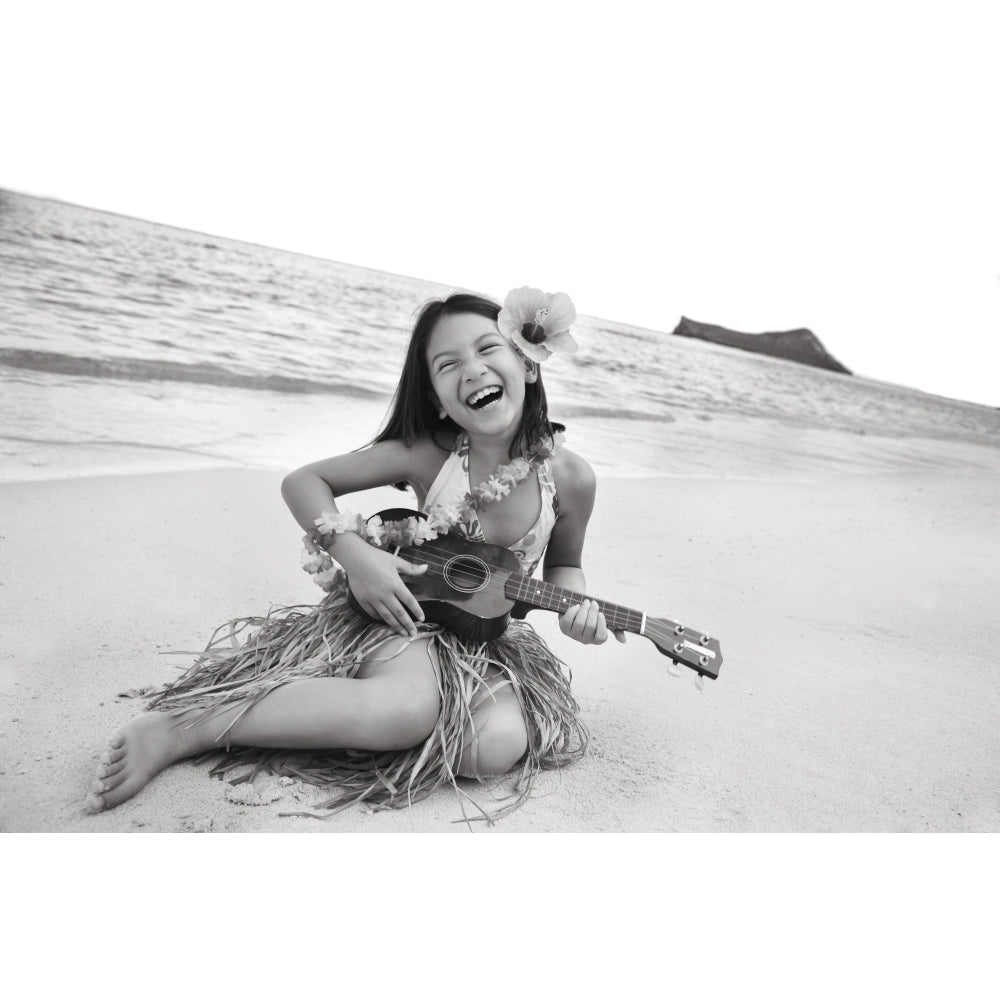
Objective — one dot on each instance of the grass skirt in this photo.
(250, 657)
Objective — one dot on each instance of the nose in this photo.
(473, 368)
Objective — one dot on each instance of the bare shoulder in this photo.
(419, 462)
(427, 455)
(575, 479)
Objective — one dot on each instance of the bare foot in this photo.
(135, 755)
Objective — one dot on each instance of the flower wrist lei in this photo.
(439, 520)
(537, 324)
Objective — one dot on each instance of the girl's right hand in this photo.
(375, 579)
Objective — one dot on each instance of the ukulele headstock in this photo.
(697, 650)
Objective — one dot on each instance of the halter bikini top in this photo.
(452, 484)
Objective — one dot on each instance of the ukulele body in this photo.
(463, 587)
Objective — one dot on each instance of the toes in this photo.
(94, 803)
(108, 769)
(116, 741)
(106, 783)
(113, 755)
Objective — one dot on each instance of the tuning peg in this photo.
(673, 668)
(706, 639)
(699, 682)
(678, 630)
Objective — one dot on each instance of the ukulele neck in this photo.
(547, 597)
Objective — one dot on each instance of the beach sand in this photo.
(857, 615)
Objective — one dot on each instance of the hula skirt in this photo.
(249, 657)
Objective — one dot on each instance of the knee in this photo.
(497, 745)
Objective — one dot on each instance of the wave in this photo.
(609, 413)
(66, 239)
(147, 370)
(102, 443)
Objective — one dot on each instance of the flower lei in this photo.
(440, 518)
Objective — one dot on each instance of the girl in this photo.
(389, 705)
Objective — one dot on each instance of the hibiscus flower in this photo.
(538, 322)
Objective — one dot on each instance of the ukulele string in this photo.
(654, 630)
(633, 618)
(532, 588)
(490, 587)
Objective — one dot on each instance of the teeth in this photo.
(476, 396)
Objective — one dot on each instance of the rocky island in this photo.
(802, 346)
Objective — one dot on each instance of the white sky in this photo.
(760, 165)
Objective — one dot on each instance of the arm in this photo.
(577, 486)
(311, 490)
(374, 574)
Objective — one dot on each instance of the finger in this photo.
(601, 629)
(591, 624)
(385, 615)
(594, 615)
(374, 610)
(620, 636)
(412, 606)
(579, 621)
(398, 612)
(410, 569)
(567, 618)
(583, 621)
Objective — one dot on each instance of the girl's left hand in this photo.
(585, 623)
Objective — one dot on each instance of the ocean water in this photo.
(128, 346)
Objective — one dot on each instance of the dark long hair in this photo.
(412, 412)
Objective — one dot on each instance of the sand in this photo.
(857, 615)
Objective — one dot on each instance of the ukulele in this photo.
(474, 589)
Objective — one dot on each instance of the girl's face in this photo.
(477, 377)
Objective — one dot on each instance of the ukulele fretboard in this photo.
(539, 594)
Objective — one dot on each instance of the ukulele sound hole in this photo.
(466, 574)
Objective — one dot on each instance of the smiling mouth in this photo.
(484, 397)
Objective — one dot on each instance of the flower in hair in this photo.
(538, 322)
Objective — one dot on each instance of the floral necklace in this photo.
(439, 519)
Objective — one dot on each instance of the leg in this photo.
(497, 736)
(391, 705)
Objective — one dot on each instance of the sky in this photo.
(762, 166)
